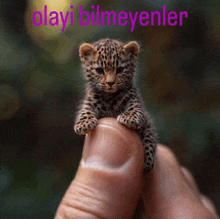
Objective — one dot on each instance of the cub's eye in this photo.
(119, 70)
(99, 70)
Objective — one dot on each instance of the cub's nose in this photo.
(110, 83)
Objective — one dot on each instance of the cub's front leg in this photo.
(133, 117)
(86, 119)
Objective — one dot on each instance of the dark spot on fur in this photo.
(104, 108)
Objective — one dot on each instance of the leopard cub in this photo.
(109, 68)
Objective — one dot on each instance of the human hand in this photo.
(110, 181)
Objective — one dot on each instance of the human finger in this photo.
(108, 181)
(204, 199)
(167, 194)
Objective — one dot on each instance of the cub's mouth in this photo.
(110, 90)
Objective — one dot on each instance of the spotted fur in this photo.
(109, 68)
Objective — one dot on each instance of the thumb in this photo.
(108, 181)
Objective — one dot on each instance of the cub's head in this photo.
(109, 65)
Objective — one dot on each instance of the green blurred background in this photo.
(41, 85)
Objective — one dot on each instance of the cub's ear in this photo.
(132, 47)
(85, 49)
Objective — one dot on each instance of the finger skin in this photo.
(190, 180)
(205, 200)
(108, 181)
(167, 194)
(208, 204)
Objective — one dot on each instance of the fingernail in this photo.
(109, 145)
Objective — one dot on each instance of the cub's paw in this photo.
(129, 120)
(83, 126)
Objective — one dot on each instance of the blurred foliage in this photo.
(41, 85)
